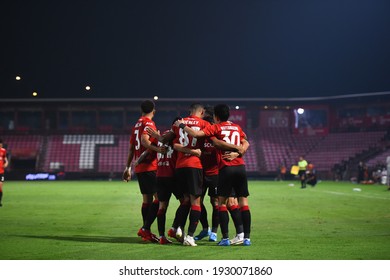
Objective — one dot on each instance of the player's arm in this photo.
(5, 162)
(222, 145)
(189, 130)
(230, 156)
(145, 141)
(142, 157)
(180, 148)
(244, 146)
(239, 153)
(126, 176)
(166, 138)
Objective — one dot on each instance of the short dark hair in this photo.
(208, 114)
(147, 106)
(195, 106)
(222, 111)
(209, 111)
(1, 141)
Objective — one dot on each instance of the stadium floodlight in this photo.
(18, 78)
(155, 97)
(300, 111)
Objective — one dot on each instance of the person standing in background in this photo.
(388, 172)
(360, 177)
(3, 164)
(302, 164)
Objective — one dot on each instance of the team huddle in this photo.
(201, 154)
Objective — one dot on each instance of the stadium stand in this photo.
(15, 142)
(103, 153)
(60, 155)
(106, 153)
(379, 160)
(338, 147)
(96, 143)
(113, 158)
(74, 153)
(279, 145)
(23, 146)
(251, 158)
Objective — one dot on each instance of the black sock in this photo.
(152, 214)
(181, 215)
(194, 219)
(161, 219)
(203, 217)
(144, 211)
(224, 221)
(246, 219)
(215, 219)
(237, 219)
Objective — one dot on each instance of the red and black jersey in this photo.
(3, 155)
(150, 162)
(230, 133)
(182, 137)
(209, 158)
(166, 162)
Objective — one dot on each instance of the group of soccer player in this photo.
(201, 153)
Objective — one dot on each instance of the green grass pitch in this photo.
(98, 220)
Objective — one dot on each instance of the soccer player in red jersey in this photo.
(3, 164)
(145, 170)
(189, 169)
(210, 182)
(166, 182)
(166, 185)
(232, 174)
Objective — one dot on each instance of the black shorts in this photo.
(147, 182)
(233, 178)
(210, 183)
(233, 193)
(190, 180)
(166, 187)
(302, 173)
(1, 177)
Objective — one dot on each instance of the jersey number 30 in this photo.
(231, 137)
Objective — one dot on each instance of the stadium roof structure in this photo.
(384, 96)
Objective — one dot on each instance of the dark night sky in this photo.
(189, 49)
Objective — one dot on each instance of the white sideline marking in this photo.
(359, 195)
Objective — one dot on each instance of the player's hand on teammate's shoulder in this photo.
(178, 122)
(151, 132)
